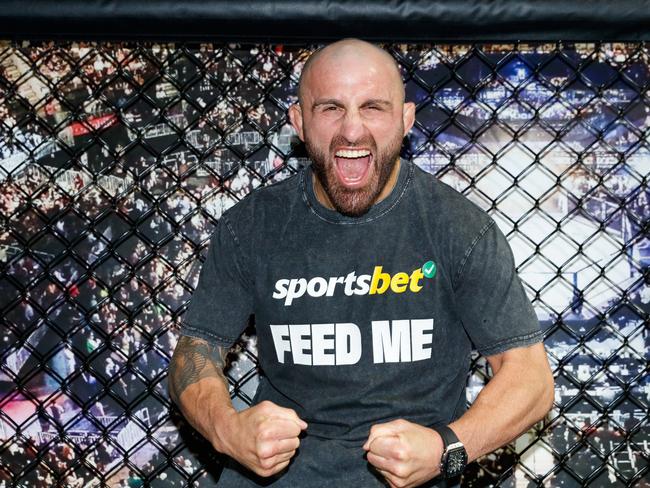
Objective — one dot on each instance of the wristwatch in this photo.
(454, 456)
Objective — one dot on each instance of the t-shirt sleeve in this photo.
(223, 299)
(490, 298)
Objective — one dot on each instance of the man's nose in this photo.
(352, 126)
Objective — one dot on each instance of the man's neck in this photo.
(324, 199)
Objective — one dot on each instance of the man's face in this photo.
(352, 119)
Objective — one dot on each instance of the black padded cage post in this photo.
(127, 128)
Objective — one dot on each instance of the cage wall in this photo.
(118, 159)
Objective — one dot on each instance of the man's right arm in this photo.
(264, 437)
(196, 380)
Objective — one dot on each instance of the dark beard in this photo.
(354, 203)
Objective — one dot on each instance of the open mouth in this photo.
(352, 166)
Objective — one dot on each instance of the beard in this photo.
(347, 201)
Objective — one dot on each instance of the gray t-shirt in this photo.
(360, 320)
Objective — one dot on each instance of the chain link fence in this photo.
(117, 160)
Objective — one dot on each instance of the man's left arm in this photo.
(519, 394)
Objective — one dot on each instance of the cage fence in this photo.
(118, 159)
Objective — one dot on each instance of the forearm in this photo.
(519, 394)
(199, 387)
(262, 438)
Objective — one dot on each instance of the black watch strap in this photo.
(448, 436)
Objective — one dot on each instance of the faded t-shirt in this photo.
(359, 320)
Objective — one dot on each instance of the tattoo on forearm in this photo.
(193, 360)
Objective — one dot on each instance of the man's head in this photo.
(352, 118)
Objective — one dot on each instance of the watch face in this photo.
(455, 462)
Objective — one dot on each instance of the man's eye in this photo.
(330, 108)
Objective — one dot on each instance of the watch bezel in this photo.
(455, 450)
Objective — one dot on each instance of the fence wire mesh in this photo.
(118, 159)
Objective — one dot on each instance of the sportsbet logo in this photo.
(378, 283)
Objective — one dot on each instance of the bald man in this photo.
(370, 282)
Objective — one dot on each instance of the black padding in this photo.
(318, 20)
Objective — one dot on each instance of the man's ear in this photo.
(295, 116)
(408, 115)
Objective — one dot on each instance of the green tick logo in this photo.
(429, 269)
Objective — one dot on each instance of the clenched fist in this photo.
(406, 454)
(263, 438)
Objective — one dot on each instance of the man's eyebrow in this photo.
(377, 101)
(337, 103)
(326, 101)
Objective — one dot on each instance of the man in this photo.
(370, 283)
